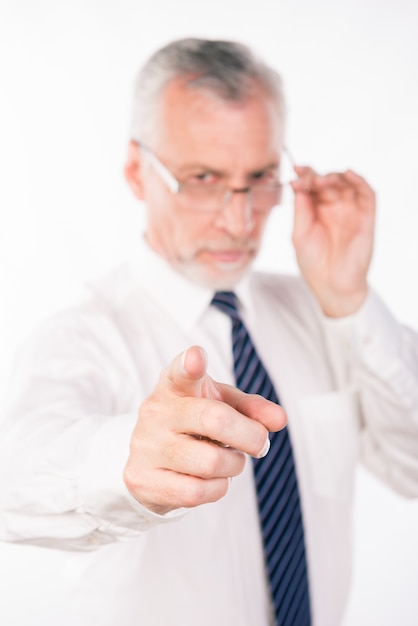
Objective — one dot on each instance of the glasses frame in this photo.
(175, 186)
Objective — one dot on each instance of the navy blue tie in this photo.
(277, 489)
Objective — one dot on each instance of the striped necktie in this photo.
(277, 490)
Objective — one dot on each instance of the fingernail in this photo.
(184, 366)
(265, 450)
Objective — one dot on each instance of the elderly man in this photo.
(135, 415)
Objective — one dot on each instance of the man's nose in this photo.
(236, 215)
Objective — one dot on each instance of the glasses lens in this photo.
(263, 195)
(202, 197)
(278, 192)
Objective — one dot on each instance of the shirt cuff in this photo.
(372, 333)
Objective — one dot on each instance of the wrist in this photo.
(336, 305)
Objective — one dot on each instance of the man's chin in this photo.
(222, 278)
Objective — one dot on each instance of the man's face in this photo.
(202, 139)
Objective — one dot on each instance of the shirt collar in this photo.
(184, 300)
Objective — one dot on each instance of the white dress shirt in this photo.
(349, 387)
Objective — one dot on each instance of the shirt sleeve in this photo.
(64, 440)
(379, 356)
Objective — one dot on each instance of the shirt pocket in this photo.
(331, 427)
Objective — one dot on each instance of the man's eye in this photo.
(264, 177)
(204, 178)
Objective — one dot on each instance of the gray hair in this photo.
(227, 69)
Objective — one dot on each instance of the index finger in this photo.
(305, 177)
(268, 413)
(361, 186)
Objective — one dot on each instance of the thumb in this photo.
(187, 375)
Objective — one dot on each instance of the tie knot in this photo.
(227, 302)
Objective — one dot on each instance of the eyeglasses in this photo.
(265, 190)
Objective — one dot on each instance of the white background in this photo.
(66, 72)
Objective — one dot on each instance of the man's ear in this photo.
(133, 170)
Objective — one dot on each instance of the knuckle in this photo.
(148, 407)
(135, 445)
(150, 420)
(202, 491)
(217, 419)
(221, 489)
(176, 455)
(194, 494)
(131, 478)
(210, 462)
